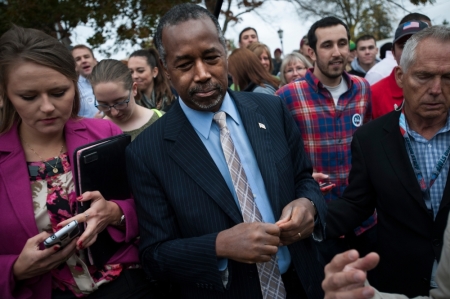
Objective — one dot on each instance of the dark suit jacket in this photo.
(183, 201)
(382, 177)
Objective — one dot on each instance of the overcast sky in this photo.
(282, 15)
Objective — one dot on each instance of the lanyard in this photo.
(437, 168)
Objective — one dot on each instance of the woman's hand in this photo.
(101, 214)
(33, 262)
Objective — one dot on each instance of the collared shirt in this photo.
(87, 98)
(382, 69)
(428, 153)
(209, 133)
(327, 129)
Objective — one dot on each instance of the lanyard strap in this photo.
(437, 168)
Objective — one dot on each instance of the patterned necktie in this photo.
(272, 286)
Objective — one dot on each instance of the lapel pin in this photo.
(262, 126)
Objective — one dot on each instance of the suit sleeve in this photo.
(7, 281)
(165, 255)
(358, 201)
(305, 185)
(12, 289)
(442, 276)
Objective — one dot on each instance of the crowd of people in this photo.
(229, 157)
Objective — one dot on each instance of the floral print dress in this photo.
(54, 200)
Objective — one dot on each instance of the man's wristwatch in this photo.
(121, 222)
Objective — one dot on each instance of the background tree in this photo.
(371, 16)
(57, 18)
(127, 22)
(232, 10)
(376, 21)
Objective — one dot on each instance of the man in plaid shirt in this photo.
(328, 106)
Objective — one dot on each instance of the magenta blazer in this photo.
(17, 223)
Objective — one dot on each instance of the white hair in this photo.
(439, 33)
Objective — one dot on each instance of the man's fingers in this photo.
(341, 260)
(345, 279)
(271, 229)
(366, 263)
(295, 222)
(286, 215)
(357, 293)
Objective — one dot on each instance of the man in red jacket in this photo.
(386, 95)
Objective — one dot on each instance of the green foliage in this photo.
(133, 22)
(127, 22)
(57, 18)
(376, 20)
(361, 16)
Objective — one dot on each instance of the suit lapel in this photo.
(395, 150)
(14, 172)
(189, 152)
(260, 140)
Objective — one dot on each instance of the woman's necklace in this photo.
(55, 169)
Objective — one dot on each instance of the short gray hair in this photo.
(440, 33)
(291, 58)
(179, 14)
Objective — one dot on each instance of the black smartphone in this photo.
(64, 235)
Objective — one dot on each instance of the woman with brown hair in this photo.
(263, 53)
(249, 74)
(115, 95)
(154, 88)
(40, 131)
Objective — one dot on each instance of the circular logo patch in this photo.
(357, 120)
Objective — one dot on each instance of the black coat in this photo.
(382, 177)
(183, 201)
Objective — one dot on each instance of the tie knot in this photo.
(221, 119)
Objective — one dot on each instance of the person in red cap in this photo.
(386, 95)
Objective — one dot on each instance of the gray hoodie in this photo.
(355, 65)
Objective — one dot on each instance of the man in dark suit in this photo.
(400, 166)
(192, 230)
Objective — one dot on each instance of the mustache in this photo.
(205, 88)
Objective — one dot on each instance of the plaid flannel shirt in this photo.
(327, 130)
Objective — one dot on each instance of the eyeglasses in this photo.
(297, 69)
(118, 106)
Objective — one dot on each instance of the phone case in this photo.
(64, 236)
